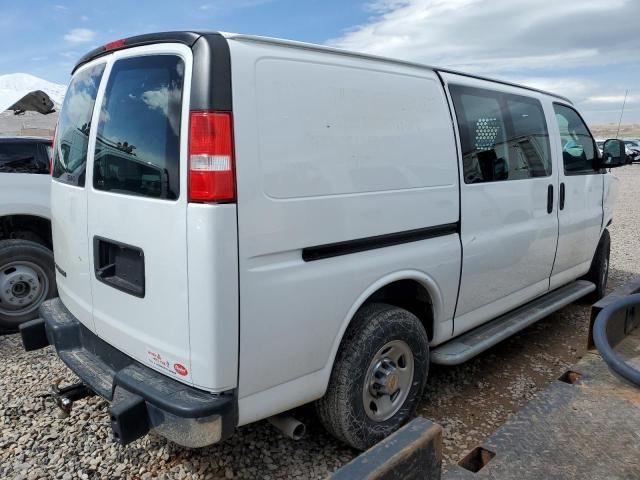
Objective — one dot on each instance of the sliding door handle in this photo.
(562, 196)
(550, 199)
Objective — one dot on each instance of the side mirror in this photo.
(613, 154)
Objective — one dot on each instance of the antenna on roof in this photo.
(624, 102)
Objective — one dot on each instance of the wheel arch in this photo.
(378, 291)
(12, 223)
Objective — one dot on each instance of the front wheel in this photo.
(599, 271)
(378, 376)
(27, 278)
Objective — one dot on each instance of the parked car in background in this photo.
(633, 149)
(244, 225)
(26, 261)
(631, 153)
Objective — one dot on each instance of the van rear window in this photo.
(138, 139)
(74, 123)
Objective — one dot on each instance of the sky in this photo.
(588, 50)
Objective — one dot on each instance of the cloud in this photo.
(498, 35)
(559, 46)
(163, 99)
(80, 35)
(612, 99)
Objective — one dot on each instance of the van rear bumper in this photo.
(141, 398)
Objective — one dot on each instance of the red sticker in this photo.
(180, 369)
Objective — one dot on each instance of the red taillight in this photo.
(211, 169)
(115, 44)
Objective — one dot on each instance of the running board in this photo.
(476, 341)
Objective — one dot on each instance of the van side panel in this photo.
(330, 148)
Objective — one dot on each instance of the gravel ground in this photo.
(470, 401)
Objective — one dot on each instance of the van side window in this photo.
(503, 136)
(578, 146)
(74, 123)
(138, 139)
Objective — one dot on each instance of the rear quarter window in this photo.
(138, 138)
(74, 123)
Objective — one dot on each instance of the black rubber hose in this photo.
(609, 355)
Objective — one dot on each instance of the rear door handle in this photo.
(550, 199)
(562, 196)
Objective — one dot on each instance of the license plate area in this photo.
(119, 265)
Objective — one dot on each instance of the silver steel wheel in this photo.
(23, 286)
(388, 381)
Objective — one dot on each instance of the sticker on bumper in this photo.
(166, 365)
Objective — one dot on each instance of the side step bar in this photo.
(476, 341)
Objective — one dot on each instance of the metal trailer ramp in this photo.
(586, 429)
(584, 425)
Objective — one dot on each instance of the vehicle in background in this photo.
(633, 149)
(244, 225)
(27, 275)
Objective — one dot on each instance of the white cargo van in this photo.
(243, 225)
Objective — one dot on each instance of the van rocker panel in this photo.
(106, 370)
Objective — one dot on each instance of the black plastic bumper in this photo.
(141, 398)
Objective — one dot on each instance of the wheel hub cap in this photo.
(385, 379)
(21, 287)
(388, 380)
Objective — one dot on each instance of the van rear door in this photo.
(137, 207)
(69, 192)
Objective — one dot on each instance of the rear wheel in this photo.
(27, 278)
(599, 271)
(378, 376)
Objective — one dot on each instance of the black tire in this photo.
(342, 409)
(599, 271)
(40, 258)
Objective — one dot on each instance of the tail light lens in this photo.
(211, 163)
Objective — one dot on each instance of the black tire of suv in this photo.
(341, 410)
(16, 250)
(599, 271)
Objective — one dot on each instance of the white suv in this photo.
(26, 261)
(243, 225)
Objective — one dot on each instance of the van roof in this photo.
(189, 38)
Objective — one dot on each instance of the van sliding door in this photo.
(509, 225)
